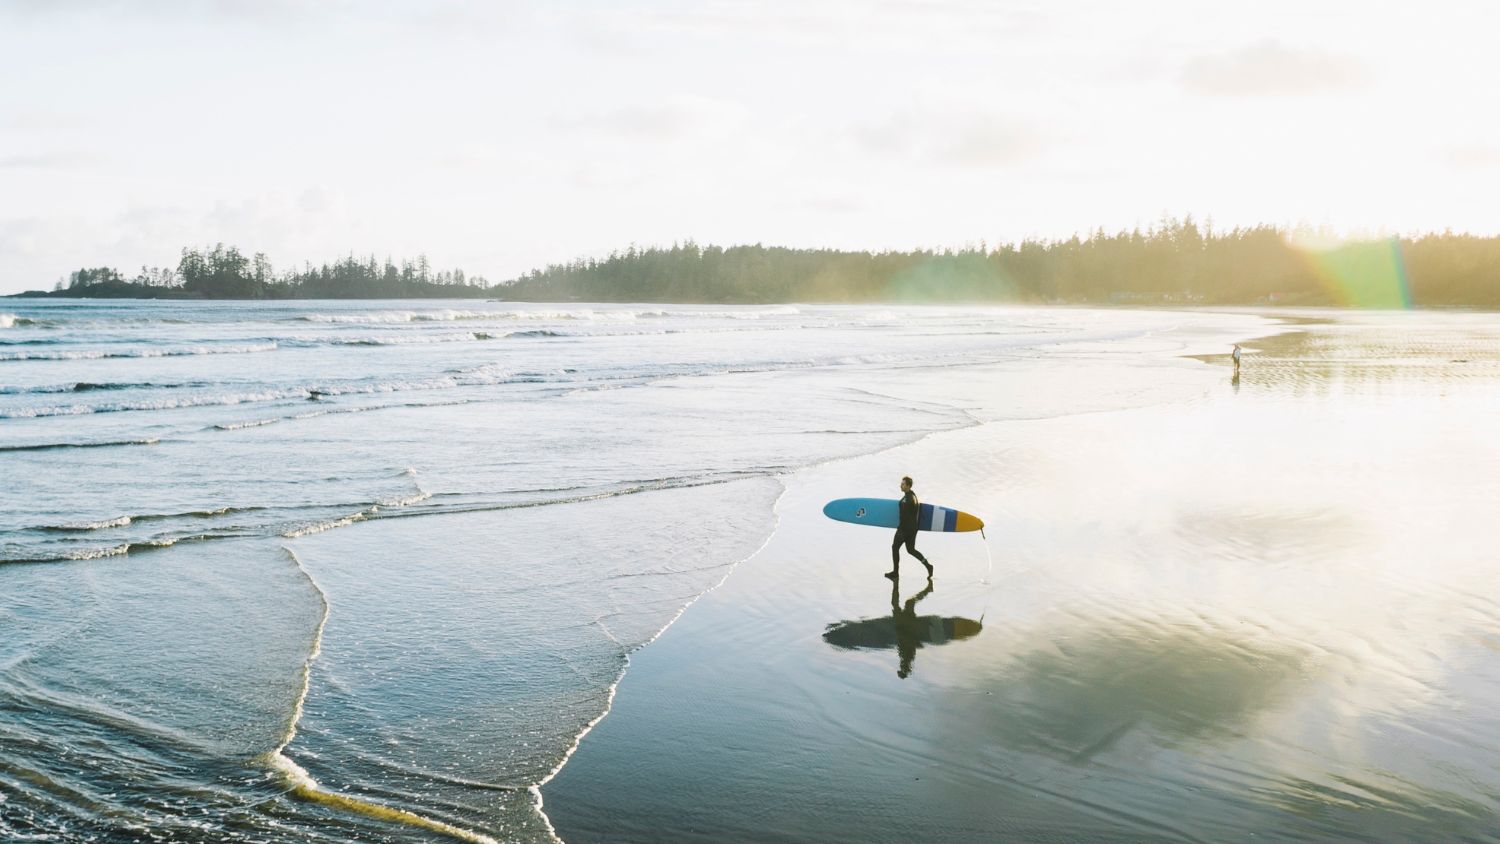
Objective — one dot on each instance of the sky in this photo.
(500, 137)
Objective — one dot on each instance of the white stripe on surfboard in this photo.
(938, 518)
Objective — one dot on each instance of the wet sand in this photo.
(1263, 609)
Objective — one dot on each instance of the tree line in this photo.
(224, 272)
(1176, 261)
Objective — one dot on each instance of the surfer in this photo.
(1236, 356)
(906, 531)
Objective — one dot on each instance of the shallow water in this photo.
(365, 571)
(1263, 609)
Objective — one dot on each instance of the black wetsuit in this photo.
(906, 532)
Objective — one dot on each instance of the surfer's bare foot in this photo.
(891, 575)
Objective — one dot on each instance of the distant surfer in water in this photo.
(906, 531)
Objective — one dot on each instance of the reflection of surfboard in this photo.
(886, 512)
(885, 633)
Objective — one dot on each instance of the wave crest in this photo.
(176, 351)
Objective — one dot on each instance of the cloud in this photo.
(1271, 69)
(827, 204)
(52, 160)
(955, 139)
(878, 24)
(279, 220)
(264, 10)
(35, 251)
(1471, 157)
(675, 117)
(993, 143)
(315, 223)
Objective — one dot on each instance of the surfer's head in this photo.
(906, 483)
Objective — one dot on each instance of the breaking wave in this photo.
(91, 386)
(100, 525)
(272, 395)
(97, 354)
(85, 444)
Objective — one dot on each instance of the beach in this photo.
(1265, 612)
(388, 572)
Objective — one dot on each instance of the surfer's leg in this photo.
(911, 548)
(895, 555)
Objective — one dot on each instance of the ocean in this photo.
(368, 571)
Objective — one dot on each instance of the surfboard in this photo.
(888, 632)
(886, 513)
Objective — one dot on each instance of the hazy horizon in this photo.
(503, 139)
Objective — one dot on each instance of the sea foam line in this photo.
(319, 527)
(302, 784)
(99, 525)
(415, 498)
(401, 501)
(581, 314)
(609, 701)
(230, 399)
(179, 351)
(97, 444)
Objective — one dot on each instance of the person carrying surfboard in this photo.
(906, 531)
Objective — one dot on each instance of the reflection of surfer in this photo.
(906, 531)
(902, 630)
(909, 628)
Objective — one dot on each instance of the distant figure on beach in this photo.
(906, 531)
(1236, 356)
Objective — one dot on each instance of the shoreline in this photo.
(965, 421)
(909, 395)
(793, 482)
(1270, 310)
(536, 789)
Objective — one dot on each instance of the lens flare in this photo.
(1358, 274)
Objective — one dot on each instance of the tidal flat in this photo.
(1262, 610)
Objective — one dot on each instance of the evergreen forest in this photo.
(1176, 261)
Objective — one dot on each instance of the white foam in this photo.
(98, 553)
(48, 388)
(254, 423)
(319, 527)
(303, 784)
(580, 314)
(158, 404)
(97, 354)
(391, 317)
(405, 501)
(229, 399)
(107, 523)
